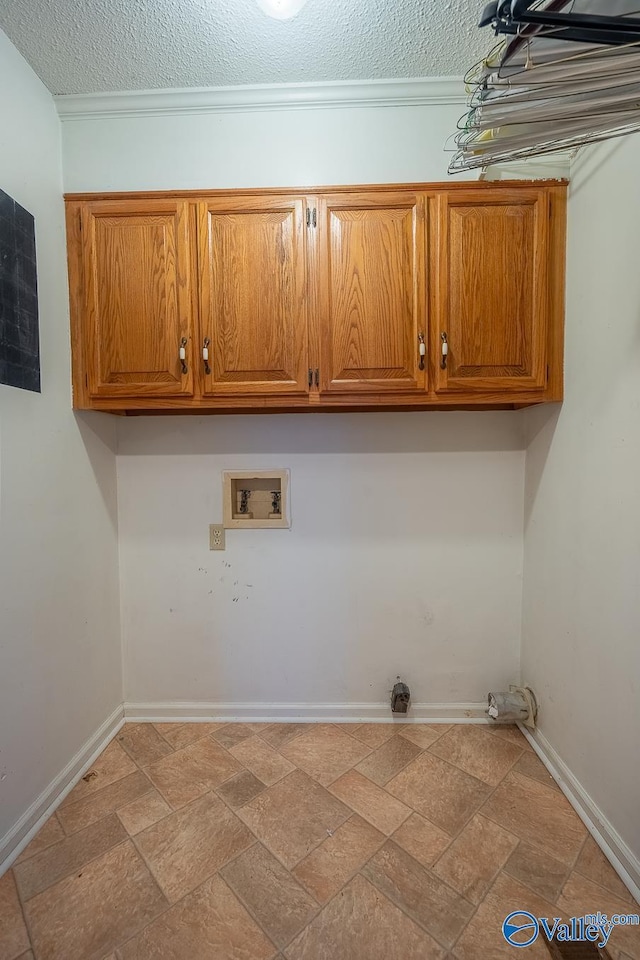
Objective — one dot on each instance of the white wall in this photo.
(268, 148)
(404, 556)
(406, 547)
(581, 622)
(60, 672)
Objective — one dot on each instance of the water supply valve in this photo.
(400, 697)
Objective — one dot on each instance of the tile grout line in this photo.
(129, 836)
(427, 870)
(246, 907)
(132, 838)
(157, 883)
(180, 726)
(400, 733)
(84, 864)
(32, 856)
(479, 779)
(353, 813)
(525, 883)
(412, 811)
(580, 873)
(217, 872)
(23, 912)
(466, 824)
(533, 843)
(294, 737)
(67, 836)
(259, 842)
(473, 915)
(569, 867)
(456, 767)
(397, 773)
(96, 793)
(492, 884)
(492, 790)
(387, 838)
(355, 873)
(250, 910)
(60, 880)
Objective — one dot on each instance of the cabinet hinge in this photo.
(317, 377)
(312, 217)
(310, 377)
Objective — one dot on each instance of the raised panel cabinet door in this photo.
(253, 311)
(372, 302)
(492, 294)
(138, 302)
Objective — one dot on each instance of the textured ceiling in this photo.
(88, 46)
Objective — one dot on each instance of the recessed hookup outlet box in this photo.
(257, 499)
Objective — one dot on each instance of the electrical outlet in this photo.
(216, 536)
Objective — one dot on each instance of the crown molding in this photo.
(424, 91)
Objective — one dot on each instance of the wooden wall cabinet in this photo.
(135, 299)
(330, 299)
(253, 304)
(372, 282)
(492, 291)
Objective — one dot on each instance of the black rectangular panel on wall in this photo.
(19, 335)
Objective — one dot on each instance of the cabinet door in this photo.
(372, 304)
(492, 290)
(137, 298)
(253, 295)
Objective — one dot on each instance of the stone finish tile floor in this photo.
(217, 841)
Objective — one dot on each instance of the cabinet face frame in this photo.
(173, 290)
(405, 378)
(534, 329)
(502, 395)
(221, 382)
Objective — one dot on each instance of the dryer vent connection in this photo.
(517, 706)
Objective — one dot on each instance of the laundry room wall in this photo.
(60, 658)
(405, 551)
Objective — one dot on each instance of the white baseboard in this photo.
(618, 853)
(17, 838)
(189, 712)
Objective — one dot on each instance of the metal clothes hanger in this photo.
(567, 75)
